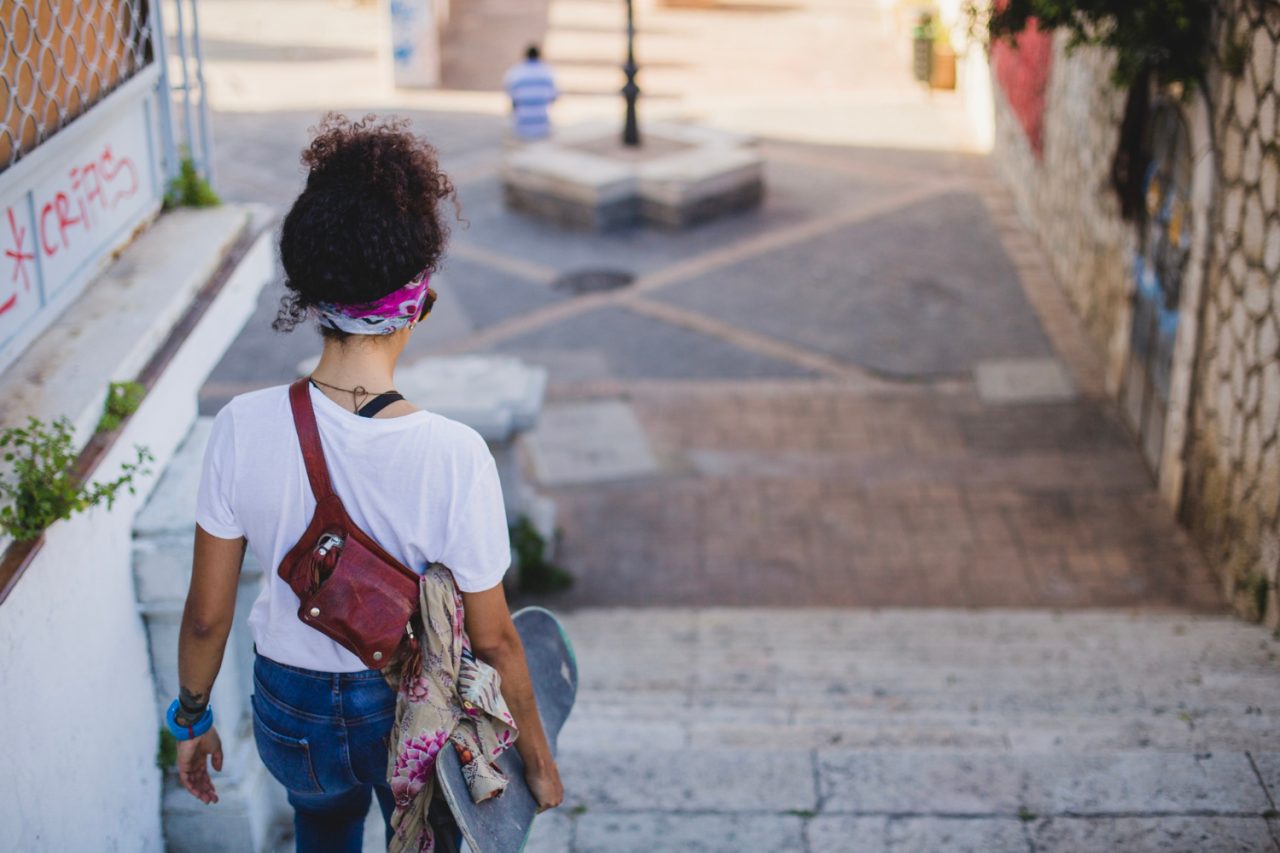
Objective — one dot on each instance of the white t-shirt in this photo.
(423, 486)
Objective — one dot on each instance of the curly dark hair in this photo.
(368, 220)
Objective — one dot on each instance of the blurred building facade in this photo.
(1184, 301)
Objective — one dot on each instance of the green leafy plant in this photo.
(189, 189)
(537, 574)
(123, 399)
(42, 485)
(1256, 587)
(1235, 55)
(167, 751)
(1169, 38)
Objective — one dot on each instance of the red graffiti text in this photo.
(20, 260)
(92, 192)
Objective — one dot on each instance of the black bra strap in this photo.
(378, 403)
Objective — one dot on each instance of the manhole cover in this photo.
(592, 281)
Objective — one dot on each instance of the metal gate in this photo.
(100, 101)
(1165, 239)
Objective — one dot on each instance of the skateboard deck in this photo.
(503, 824)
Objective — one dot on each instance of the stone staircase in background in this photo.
(918, 730)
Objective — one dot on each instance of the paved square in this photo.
(577, 443)
(1028, 380)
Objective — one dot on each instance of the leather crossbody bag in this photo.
(350, 589)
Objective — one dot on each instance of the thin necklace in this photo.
(356, 392)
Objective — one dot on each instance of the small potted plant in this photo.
(40, 481)
(942, 74)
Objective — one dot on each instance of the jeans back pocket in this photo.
(287, 758)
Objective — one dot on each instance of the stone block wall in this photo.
(1231, 498)
(1065, 194)
(1232, 501)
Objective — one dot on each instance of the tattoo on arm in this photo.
(191, 706)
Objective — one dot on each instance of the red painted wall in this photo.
(1022, 71)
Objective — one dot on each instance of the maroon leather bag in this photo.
(349, 587)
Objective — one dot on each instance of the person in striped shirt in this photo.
(532, 89)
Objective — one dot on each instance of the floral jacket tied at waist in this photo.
(449, 697)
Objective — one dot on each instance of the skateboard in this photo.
(503, 824)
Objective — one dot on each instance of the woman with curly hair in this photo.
(358, 247)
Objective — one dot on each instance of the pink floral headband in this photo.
(385, 315)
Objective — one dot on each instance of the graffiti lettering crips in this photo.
(19, 258)
(93, 191)
(76, 207)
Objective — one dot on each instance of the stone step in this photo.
(915, 781)
(591, 729)
(643, 832)
(766, 799)
(767, 730)
(250, 807)
(251, 802)
(905, 658)
(908, 730)
(938, 691)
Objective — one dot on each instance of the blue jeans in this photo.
(323, 735)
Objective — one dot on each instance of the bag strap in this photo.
(304, 421)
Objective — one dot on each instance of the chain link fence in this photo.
(60, 58)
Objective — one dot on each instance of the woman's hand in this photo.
(193, 770)
(545, 786)
(495, 641)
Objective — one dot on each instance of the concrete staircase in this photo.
(919, 730)
(251, 809)
(839, 730)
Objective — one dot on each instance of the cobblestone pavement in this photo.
(805, 373)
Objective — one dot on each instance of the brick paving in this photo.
(814, 494)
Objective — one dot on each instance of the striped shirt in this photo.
(532, 90)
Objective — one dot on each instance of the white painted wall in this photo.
(78, 726)
(79, 723)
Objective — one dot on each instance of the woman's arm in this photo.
(206, 623)
(495, 641)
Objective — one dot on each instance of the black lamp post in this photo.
(630, 130)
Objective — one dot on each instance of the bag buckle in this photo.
(328, 542)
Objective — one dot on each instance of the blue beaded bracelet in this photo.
(194, 730)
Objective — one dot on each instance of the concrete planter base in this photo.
(681, 176)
